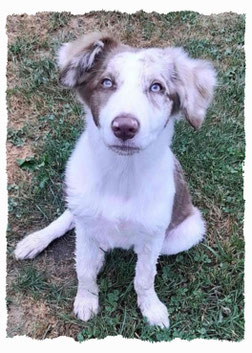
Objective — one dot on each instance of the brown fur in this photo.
(182, 206)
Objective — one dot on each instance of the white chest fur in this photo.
(120, 198)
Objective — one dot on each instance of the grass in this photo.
(203, 288)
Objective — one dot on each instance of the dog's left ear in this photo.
(194, 81)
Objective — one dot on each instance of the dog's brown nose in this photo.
(125, 126)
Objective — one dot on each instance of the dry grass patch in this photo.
(13, 170)
(28, 26)
(31, 318)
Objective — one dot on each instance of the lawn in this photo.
(204, 287)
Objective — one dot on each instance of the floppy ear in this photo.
(194, 83)
(77, 58)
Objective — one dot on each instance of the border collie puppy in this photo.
(124, 186)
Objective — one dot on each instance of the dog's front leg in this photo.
(151, 307)
(89, 260)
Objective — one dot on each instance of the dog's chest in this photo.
(116, 234)
(122, 196)
(120, 203)
(124, 217)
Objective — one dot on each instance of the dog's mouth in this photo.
(124, 150)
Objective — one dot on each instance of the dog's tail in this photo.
(36, 242)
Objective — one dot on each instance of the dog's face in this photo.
(132, 93)
(132, 99)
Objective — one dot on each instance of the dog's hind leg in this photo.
(187, 234)
(36, 242)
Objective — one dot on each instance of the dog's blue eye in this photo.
(107, 83)
(156, 87)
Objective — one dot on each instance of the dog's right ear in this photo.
(77, 58)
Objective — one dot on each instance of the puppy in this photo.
(124, 186)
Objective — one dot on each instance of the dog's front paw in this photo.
(155, 312)
(86, 306)
(31, 246)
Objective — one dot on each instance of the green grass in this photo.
(203, 288)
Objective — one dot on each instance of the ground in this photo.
(203, 288)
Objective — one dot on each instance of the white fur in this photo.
(34, 243)
(123, 200)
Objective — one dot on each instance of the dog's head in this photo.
(132, 93)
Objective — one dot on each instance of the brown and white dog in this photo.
(124, 186)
